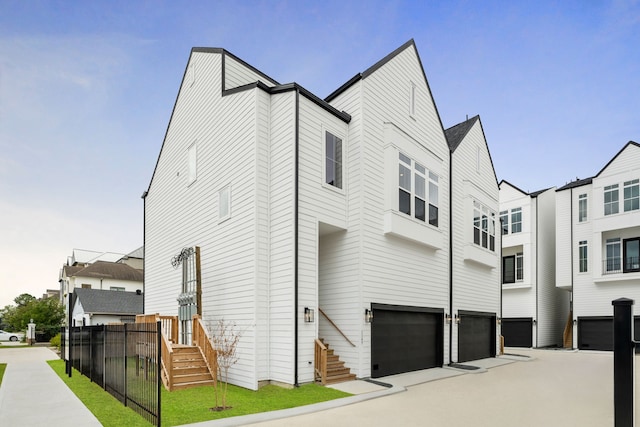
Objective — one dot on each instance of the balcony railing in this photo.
(620, 265)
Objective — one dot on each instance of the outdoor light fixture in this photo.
(535, 322)
(308, 315)
(368, 315)
(457, 318)
(498, 321)
(447, 318)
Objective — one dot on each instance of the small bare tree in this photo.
(225, 337)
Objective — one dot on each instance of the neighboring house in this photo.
(534, 310)
(134, 259)
(475, 303)
(598, 247)
(300, 218)
(101, 307)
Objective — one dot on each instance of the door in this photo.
(476, 335)
(595, 333)
(518, 332)
(189, 300)
(405, 339)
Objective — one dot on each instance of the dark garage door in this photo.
(405, 339)
(517, 332)
(595, 333)
(476, 335)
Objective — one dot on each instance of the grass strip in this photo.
(192, 405)
(3, 367)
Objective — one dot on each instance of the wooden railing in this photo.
(567, 336)
(169, 327)
(320, 362)
(336, 326)
(202, 340)
(167, 363)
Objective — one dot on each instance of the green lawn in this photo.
(192, 405)
(3, 366)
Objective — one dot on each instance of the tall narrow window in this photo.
(224, 203)
(504, 221)
(477, 226)
(333, 160)
(632, 195)
(611, 199)
(192, 166)
(421, 190)
(404, 182)
(582, 256)
(631, 255)
(582, 208)
(433, 199)
(509, 269)
(485, 227)
(519, 267)
(492, 232)
(613, 251)
(516, 220)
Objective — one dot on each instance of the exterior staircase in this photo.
(189, 368)
(336, 372)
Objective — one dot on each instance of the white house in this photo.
(598, 247)
(101, 306)
(534, 310)
(475, 245)
(299, 218)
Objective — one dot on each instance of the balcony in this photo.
(619, 269)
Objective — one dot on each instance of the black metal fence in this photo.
(123, 359)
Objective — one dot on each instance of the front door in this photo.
(190, 295)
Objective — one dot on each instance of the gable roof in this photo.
(99, 301)
(616, 156)
(455, 134)
(576, 183)
(110, 270)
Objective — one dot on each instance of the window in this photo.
(631, 255)
(631, 195)
(116, 288)
(333, 160)
(512, 268)
(86, 286)
(484, 226)
(612, 263)
(516, 220)
(611, 199)
(192, 165)
(224, 203)
(582, 256)
(504, 221)
(582, 208)
(413, 200)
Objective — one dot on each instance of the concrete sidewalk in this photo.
(32, 394)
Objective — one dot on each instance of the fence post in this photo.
(159, 370)
(623, 362)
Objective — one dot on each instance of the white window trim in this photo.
(628, 184)
(583, 198)
(323, 165)
(221, 191)
(583, 244)
(611, 188)
(413, 170)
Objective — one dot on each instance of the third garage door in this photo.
(517, 332)
(405, 339)
(476, 335)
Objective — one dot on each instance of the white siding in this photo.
(476, 285)
(237, 74)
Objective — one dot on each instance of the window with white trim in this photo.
(413, 192)
(583, 256)
(224, 203)
(333, 160)
(611, 199)
(513, 268)
(504, 221)
(582, 208)
(484, 226)
(516, 220)
(613, 252)
(631, 192)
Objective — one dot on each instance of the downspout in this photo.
(450, 257)
(571, 263)
(144, 243)
(295, 232)
(537, 270)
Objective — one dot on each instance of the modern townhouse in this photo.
(299, 218)
(534, 310)
(598, 247)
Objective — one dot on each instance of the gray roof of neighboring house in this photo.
(98, 301)
(576, 183)
(110, 270)
(455, 134)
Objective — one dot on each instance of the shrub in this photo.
(55, 341)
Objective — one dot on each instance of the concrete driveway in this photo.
(554, 388)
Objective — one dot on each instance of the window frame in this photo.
(420, 188)
(635, 264)
(583, 208)
(612, 205)
(583, 256)
(633, 198)
(504, 222)
(338, 172)
(614, 261)
(514, 223)
(484, 228)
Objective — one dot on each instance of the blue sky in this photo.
(87, 88)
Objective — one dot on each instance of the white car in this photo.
(11, 336)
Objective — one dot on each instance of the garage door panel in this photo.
(595, 333)
(404, 341)
(476, 337)
(518, 332)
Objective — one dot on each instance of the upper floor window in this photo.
(611, 199)
(117, 288)
(504, 221)
(582, 208)
(631, 195)
(582, 256)
(512, 268)
(333, 160)
(613, 252)
(516, 220)
(631, 255)
(484, 226)
(412, 199)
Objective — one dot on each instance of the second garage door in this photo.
(405, 339)
(476, 335)
(517, 332)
